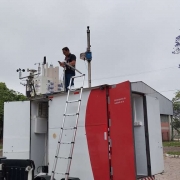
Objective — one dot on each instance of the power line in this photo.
(135, 73)
(169, 90)
(144, 72)
(164, 91)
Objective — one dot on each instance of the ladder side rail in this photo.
(74, 136)
(59, 139)
(62, 129)
(73, 68)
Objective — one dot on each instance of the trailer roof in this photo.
(166, 106)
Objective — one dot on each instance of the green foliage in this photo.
(171, 144)
(176, 114)
(174, 153)
(8, 95)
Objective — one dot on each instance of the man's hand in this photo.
(62, 64)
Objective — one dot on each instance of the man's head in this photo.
(66, 51)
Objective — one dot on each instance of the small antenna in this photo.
(44, 60)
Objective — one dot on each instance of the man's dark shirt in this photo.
(68, 59)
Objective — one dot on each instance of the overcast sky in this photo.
(131, 39)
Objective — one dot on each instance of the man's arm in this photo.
(72, 61)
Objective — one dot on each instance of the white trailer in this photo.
(118, 135)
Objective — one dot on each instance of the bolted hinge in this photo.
(110, 142)
(111, 170)
(109, 122)
(105, 135)
(108, 98)
(109, 156)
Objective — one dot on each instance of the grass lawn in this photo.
(171, 144)
(1, 146)
(174, 153)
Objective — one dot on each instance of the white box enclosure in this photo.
(25, 131)
(39, 133)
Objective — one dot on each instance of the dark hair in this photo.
(65, 49)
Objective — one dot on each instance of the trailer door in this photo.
(16, 139)
(121, 132)
(155, 138)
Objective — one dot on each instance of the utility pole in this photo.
(88, 56)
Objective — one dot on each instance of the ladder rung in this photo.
(74, 114)
(78, 76)
(60, 173)
(71, 143)
(63, 157)
(77, 89)
(69, 128)
(73, 101)
(66, 142)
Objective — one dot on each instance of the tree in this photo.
(176, 112)
(176, 49)
(8, 95)
(176, 100)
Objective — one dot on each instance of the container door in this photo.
(139, 136)
(16, 139)
(155, 137)
(121, 132)
(97, 134)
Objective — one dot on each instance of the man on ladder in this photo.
(69, 72)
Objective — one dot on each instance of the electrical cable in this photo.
(164, 91)
(132, 74)
(135, 73)
(85, 65)
(38, 169)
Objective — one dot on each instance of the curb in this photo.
(172, 156)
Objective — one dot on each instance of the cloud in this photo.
(126, 36)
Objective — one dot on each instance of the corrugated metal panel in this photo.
(166, 106)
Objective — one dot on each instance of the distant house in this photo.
(165, 105)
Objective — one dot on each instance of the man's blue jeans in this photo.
(67, 81)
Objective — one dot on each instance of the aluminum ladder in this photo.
(63, 128)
